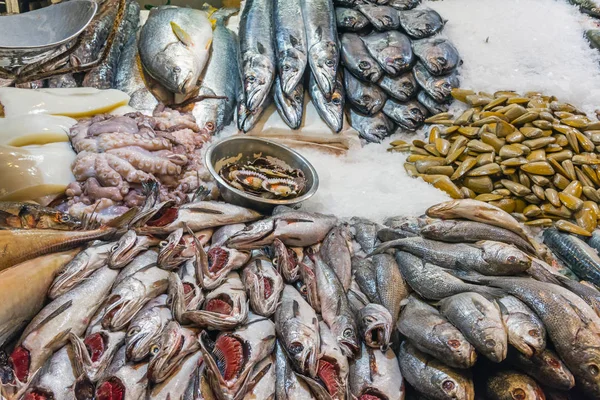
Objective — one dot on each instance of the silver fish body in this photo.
(383, 18)
(145, 328)
(174, 345)
(378, 373)
(308, 283)
(290, 43)
(438, 55)
(336, 251)
(409, 115)
(174, 387)
(333, 365)
(126, 380)
(421, 23)
(331, 110)
(222, 234)
(349, 19)
(526, 331)
(402, 87)
(438, 87)
(365, 97)
(289, 106)
(289, 386)
(392, 50)
(365, 233)
(375, 325)
(56, 378)
(357, 59)
(263, 380)
(506, 385)
(185, 291)
(264, 285)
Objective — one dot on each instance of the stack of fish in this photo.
(396, 73)
(295, 305)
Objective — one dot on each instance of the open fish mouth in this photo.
(111, 389)
(218, 257)
(372, 394)
(256, 97)
(222, 304)
(329, 373)
(120, 311)
(348, 347)
(121, 252)
(163, 217)
(166, 360)
(377, 336)
(96, 345)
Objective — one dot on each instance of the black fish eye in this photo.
(65, 218)
(407, 85)
(337, 101)
(176, 69)
(296, 348)
(286, 67)
(364, 65)
(251, 78)
(348, 333)
(441, 60)
(298, 98)
(329, 63)
(154, 349)
(428, 27)
(447, 85)
(114, 248)
(416, 112)
(366, 98)
(594, 370)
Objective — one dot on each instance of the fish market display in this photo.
(393, 64)
(530, 155)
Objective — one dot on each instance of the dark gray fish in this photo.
(290, 107)
(392, 50)
(526, 332)
(290, 43)
(432, 378)
(93, 38)
(357, 59)
(365, 232)
(509, 385)
(104, 75)
(348, 3)
(409, 115)
(431, 333)
(365, 97)
(461, 231)
(349, 19)
(438, 87)
(438, 55)
(431, 105)
(331, 111)
(62, 81)
(577, 255)
(594, 240)
(372, 128)
(588, 293)
(246, 119)
(404, 4)
(257, 52)
(388, 234)
(593, 36)
(383, 18)
(401, 88)
(336, 251)
(322, 39)
(375, 325)
(433, 282)
(421, 23)
(545, 367)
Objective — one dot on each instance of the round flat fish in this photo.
(438, 55)
(392, 50)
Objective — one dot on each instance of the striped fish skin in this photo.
(579, 257)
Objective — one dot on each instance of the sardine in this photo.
(392, 50)
(123, 380)
(174, 46)
(15, 214)
(336, 251)
(128, 247)
(438, 87)
(263, 380)
(174, 387)
(264, 285)
(257, 51)
(174, 345)
(222, 77)
(289, 106)
(486, 257)
(331, 111)
(375, 325)
(433, 282)
(546, 367)
(349, 19)
(23, 290)
(433, 378)
(231, 358)
(421, 23)
(402, 87)
(365, 97)
(290, 41)
(438, 55)
(145, 328)
(376, 373)
(322, 44)
(356, 58)
(456, 231)
(287, 260)
(506, 385)
(431, 105)
(526, 332)
(49, 330)
(335, 309)
(409, 115)
(298, 331)
(383, 18)
(289, 386)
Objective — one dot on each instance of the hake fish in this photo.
(365, 97)
(257, 52)
(357, 59)
(264, 285)
(128, 247)
(289, 386)
(175, 386)
(330, 109)
(123, 380)
(174, 46)
(287, 260)
(322, 43)
(176, 342)
(145, 328)
(526, 332)
(392, 50)
(290, 41)
(376, 373)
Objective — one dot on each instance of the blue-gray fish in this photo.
(290, 41)
(409, 115)
(438, 87)
(94, 36)
(430, 104)
(421, 23)
(364, 96)
(594, 240)
(383, 18)
(221, 78)
(290, 107)
(349, 19)
(404, 4)
(246, 119)
(580, 258)
(357, 59)
(402, 87)
(438, 55)
(372, 128)
(323, 49)
(392, 50)
(331, 111)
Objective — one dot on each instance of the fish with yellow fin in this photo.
(14, 214)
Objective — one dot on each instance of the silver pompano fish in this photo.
(291, 106)
(382, 17)
(401, 88)
(365, 97)
(145, 328)
(438, 55)
(174, 46)
(298, 331)
(404, 4)
(221, 77)
(323, 49)
(526, 332)
(349, 19)
(438, 87)
(392, 50)
(409, 115)
(357, 59)
(123, 380)
(433, 378)
(257, 51)
(336, 251)
(431, 333)
(431, 105)
(290, 41)
(331, 110)
(376, 374)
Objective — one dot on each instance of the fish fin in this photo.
(261, 49)
(182, 35)
(208, 44)
(124, 219)
(222, 14)
(64, 307)
(296, 308)
(62, 336)
(584, 318)
(502, 307)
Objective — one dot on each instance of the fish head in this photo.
(70, 275)
(588, 363)
(330, 373)
(302, 345)
(378, 127)
(38, 393)
(375, 323)
(505, 253)
(396, 61)
(438, 229)
(95, 352)
(443, 210)
(59, 220)
(291, 106)
(219, 261)
(123, 303)
(344, 329)
(286, 261)
(264, 285)
(529, 338)
(292, 63)
(246, 119)
(555, 366)
(323, 59)
(412, 115)
(177, 68)
(144, 333)
(257, 81)
(442, 88)
(251, 233)
(453, 387)
(441, 57)
(124, 250)
(169, 254)
(174, 344)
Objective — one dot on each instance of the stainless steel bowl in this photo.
(248, 147)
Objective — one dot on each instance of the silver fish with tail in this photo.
(323, 49)
(145, 328)
(264, 285)
(257, 52)
(376, 374)
(174, 46)
(330, 109)
(289, 106)
(290, 43)
(123, 380)
(526, 332)
(221, 77)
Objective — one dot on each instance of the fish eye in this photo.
(446, 85)
(250, 78)
(298, 98)
(163, 243)
(364, 65)
(115, 247)
(428, 27)
(286, 67)
(154, 349)
(210, 126)
(594, 370)
(176, 69)
(534, 333)
(133, 331)
(275, 260)
(336, 100)
(441, 60)
(519, 394)
(416, 112)
(303, 290)
(448, 385)
(329, 63)
(490, 343)
(370, 318)
(65, 218)
(407, 85)
(296, 348)
(386, 19)
(348, 333)
(454, 343)
(350, 20)
(366, 98)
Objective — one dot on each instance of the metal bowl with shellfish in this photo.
(260, 174)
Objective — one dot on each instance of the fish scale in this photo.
(575, 253)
